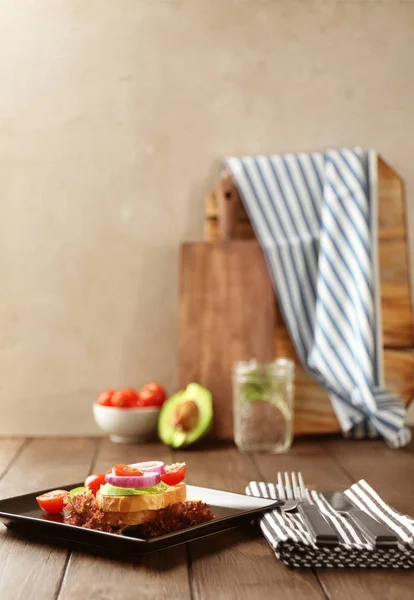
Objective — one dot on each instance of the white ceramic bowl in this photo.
(127, 425)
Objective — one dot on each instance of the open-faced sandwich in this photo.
(149, 496)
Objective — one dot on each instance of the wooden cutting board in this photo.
(226, 313)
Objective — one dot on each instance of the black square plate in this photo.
(23, 515)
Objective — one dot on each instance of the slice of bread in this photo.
(130, 518)
(141, 502)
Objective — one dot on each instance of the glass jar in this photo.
(263, 405)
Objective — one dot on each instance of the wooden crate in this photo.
(313, 412)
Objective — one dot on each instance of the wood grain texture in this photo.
(313, 412)
(395, 477)
(226, 313)
(8, 450)
(363, 585)
(237, 564)
(29, 569)
(320, 469)
(234, 565)
(393, 250)
(154, 577)
(62, 460)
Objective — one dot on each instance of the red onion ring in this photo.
(150, 466)
(143, 481)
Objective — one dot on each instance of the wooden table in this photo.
(236, 564)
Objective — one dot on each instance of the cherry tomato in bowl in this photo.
(126, 398)
(52, 502)
(105, 398)
(152, 394)
(94, 482)
(174, 474)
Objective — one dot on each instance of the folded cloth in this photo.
(287, 534)
(315, 216)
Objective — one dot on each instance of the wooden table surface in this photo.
(232, 565)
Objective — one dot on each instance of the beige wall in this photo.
(113, 116)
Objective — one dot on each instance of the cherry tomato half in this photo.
(174, 474)
(94, 482)
(126, 471)
(126, 398)
(105, 398)
(152, 394)
(52, 502)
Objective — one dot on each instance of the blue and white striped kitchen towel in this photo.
(315, 216)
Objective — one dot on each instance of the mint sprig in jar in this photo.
(263, 405)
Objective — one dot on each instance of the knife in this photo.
(322, 532)
(297, 498)
(375, 532)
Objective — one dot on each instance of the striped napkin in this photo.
(315, 216)
(287, 534)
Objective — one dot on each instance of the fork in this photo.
(297, 498)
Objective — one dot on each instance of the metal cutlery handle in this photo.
(375, 532)
(319, 527)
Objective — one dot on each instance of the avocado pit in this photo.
(186, 415)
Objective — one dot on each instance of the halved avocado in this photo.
(186, 417)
